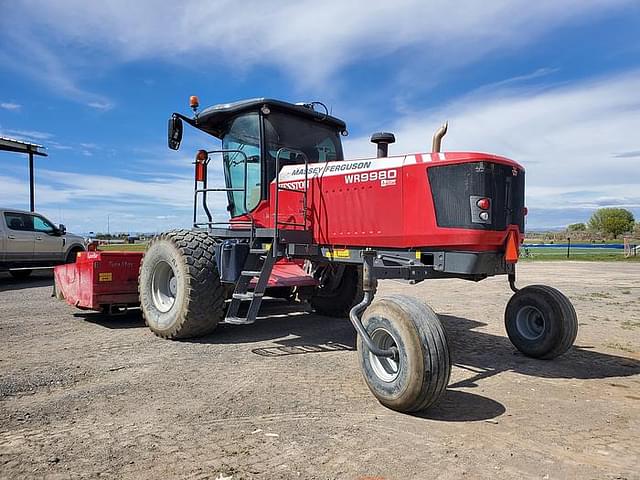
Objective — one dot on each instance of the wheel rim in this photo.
(164, 286)
(530, 322)
(386, 369)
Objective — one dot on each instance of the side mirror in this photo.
(175, 132)
(62, 229)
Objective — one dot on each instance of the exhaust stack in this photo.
(437, 137)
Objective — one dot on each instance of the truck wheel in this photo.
(341, 289)
(419, 375)
(20, 274)
(73, 255)
(541, 322)
(180, 291)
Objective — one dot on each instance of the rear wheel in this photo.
(340, 289)
(180, 291)
(419, 374)
(541, 322)
(20, 274)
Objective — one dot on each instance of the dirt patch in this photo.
(83, 395)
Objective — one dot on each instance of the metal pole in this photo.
(32, 201)
(568, 246)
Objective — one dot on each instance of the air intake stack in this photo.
(382, 140)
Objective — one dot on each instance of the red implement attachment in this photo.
(99, 280)
(106, 281)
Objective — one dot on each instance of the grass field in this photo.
(585, 254)
(126, 247)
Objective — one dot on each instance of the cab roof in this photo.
(212, 119)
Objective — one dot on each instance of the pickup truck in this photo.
(28, 240)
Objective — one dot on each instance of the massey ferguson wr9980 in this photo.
(306, 222)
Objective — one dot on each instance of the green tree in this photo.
(612, 221)
(577, 227)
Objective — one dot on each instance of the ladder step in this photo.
(238, 321)
(250, 273)
(246, 296)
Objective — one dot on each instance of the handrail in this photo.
(278, 188)
(205, 188)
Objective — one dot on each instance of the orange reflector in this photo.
(200, 172)
(201, 156)
(511, 252)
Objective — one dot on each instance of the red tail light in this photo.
(484, 203)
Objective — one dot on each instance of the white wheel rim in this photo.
(530, 322)
(164, 286)
(386, 369)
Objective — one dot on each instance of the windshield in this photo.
(319, 142)
(243, 134)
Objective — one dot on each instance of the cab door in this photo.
(243, 163)
(20, 238)
(49, 245)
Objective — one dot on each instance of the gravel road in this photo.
(83, 395)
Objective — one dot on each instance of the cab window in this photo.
(243, 135)
(318, 141)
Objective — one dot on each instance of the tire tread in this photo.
(205, 295)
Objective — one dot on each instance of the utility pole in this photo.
(109, 225)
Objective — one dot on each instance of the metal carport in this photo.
(31, 149)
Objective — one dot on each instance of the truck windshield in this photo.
(243, 134)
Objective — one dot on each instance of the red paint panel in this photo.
(100, 278)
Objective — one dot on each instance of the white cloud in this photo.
(308, 39)
(35, 56)
(10, 106)
(29, 135)
(578, 142)
(104, 106)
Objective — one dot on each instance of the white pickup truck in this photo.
(29, 240)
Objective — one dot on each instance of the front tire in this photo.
(180, 291)
(541, 322)
(418, 377)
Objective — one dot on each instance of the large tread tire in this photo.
(424, 361)
(20, 274)
(339, 302)
(199, 296)
(558, 327)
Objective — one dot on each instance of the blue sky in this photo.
(554, 85)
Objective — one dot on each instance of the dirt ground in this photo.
(84, 395)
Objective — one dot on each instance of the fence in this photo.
(577, 251)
